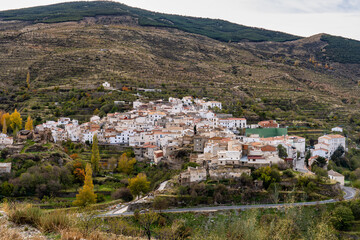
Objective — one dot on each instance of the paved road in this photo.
(349, 194)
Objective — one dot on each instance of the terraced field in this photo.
(252, 80)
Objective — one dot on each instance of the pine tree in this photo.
(16, 121)
(95, 156)
(29, 124)
(86, 194)
(28, 80)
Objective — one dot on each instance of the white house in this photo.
(187, 100)
(106, 85)
(5, 140)
(73, 132)
(233, 123)
(337, 129)
(229, 157)
(94, 118)
(88, 136)
(63, 121)
(212, 104)
(137, 104)
(336, 176)
(193, 175)
(320, 152)
(122, 137)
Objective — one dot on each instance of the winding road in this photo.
(350, 193)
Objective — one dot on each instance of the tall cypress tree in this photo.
(95, 156)
(29, 124)
(86, 194)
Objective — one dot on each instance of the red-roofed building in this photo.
(268, 124)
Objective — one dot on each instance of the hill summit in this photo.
(75, 11)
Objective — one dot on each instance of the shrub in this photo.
(160, 203)
(24, 214)
(54, 221)
(342, 217)
(289, 173)
(122, 193)
(355, 208)
(100, 198)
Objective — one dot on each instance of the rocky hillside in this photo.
(294, 81)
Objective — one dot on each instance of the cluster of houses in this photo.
(158, 130)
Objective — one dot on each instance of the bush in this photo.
(355, 208)
(341, 218)
(161, 203)
(24, 214)
(320, 172)
(122, 193)
(54, 221)
(100, 198)
(289, 173)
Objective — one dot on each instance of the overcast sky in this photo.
(299, 17)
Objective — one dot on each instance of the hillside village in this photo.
(220, 144)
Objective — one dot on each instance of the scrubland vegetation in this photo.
(335, 221)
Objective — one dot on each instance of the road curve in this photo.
(350, 193)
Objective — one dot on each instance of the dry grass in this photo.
(23, 213)
(75, 234)
(7, 233)
(54, 222)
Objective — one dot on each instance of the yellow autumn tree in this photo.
(125, 164)
(139, 185)
(15, 121)
(29, 124)
(5, 120)
(28, 80)
(1, 117)
(95, 155)
(86, 194)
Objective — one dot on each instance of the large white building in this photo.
(330, 143)
(229, 157)
(232, 123)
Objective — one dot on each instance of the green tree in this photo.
(355, 208)
(139, 185)
(7, 189)
(86, 194)
(267, 174)
(28, 80)
(95, 155)
(339, 152)
(307, 157)
(146, 222)
(160, 203)
(126, 164)
(282, 151)
(320, 162)
(342, 217)
(320, 172)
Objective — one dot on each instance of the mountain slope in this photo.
(68, 61)
(295, 82)
(76, 11)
